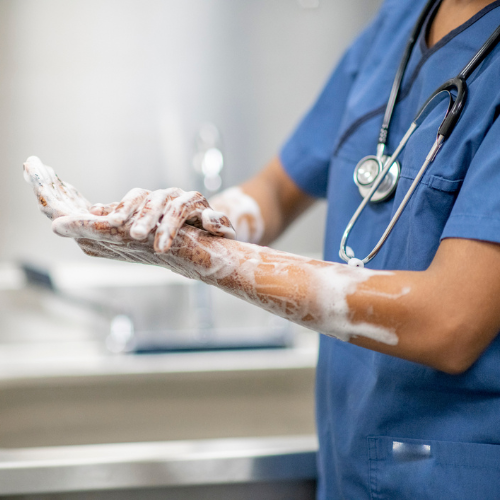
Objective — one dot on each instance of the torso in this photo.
(389, 401)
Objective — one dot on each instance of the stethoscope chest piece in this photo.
(377, 176)
(367, 172)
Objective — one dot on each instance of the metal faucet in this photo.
(208, 162)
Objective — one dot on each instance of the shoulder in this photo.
(387, 33)
(397, 9)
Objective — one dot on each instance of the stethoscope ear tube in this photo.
(401, 71)
(458, 103)
(430, 104)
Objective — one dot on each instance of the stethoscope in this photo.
(377, 176)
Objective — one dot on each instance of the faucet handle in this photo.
(208, 160)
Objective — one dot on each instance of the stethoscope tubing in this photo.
(455, 108)
(396, 85)
(430, 157)
(423, 112)
(368, 197)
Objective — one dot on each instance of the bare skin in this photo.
(450, 15)
(280, 200)
(443, 317)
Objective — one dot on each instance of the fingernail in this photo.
(139, 232)
(163, 242)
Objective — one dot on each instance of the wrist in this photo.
(243, 212)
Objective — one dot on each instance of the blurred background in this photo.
(116, 94)
(113, 93)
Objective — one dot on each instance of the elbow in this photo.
(456, 349)
(451, 361)
(452, 366)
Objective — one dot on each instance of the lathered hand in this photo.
(312, 293)
(55, 197)
(140, 215)
(164, 212)
(378, 310)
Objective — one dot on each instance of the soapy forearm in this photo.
(438, 317)
(308, 292)
(305, 291)
(403, 314)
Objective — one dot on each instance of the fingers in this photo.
(55, 198)
(90, 227)
(35, 173)
(189, 206)
(217, 223)
(101, 209)
(129, 204)
(151, 211)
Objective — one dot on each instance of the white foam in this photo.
(311, 293)
(306, 291)
(243, 212)
(211, 218)
(335, 284)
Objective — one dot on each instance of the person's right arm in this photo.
(443, 317)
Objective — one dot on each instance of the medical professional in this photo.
(390, 428)
(408, 394)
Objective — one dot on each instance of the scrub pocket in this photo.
(423, 220)
(409, 469)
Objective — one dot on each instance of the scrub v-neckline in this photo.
(427, 51)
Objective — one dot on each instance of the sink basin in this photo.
(235, 430)
(156, 407)
(80, 423)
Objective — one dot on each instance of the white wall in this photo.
(112, 92)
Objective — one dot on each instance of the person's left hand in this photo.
(191, 254)
(55, 197)
(140, 215)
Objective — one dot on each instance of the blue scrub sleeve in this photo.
(476, 213)
(306, 154)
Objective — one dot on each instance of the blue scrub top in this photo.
(390, 428)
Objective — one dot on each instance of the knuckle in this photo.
(133, 193)
(197, 196)
(171, 191)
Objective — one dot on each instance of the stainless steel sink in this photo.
(221, 434)
(79, 423)
(265, 468)
(156, 407)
